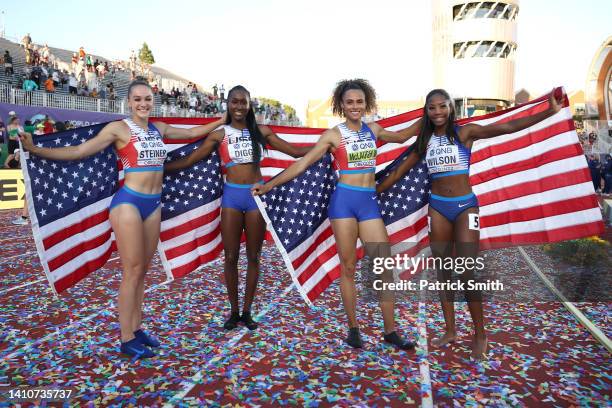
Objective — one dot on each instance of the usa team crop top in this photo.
(446, 159)
(146, 150)
(237, 147)
(357, 150)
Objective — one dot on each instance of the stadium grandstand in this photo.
(102, 85)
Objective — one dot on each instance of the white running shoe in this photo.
(20, 221)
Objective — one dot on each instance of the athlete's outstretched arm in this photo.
(109, 134)
(397, 173)
(475, 132)
(281, 145)
(172, 132)
(206, 148)
(396, 137)
(328, 140)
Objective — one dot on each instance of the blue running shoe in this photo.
(145, 339)
(134, 348)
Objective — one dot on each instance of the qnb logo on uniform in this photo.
(363, 153)
(151, 150)
(443, 158)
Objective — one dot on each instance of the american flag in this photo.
(68, 203)
(191, 199)
(533, 186)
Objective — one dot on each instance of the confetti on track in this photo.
(539, 354)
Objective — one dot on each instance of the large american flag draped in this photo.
(68, 203)
(533, 186)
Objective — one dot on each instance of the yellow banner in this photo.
(12, 189)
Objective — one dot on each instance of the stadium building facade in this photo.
(474, 48)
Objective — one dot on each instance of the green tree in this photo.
(145, 55)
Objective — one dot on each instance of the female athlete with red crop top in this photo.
(135, 213)
(240, 144)
(353, 208)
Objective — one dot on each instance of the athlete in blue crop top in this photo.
(453, 207)
(240, 144)
(353, 209)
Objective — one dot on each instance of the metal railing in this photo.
(84, 103)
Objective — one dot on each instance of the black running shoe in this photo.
(248, 320)
(397, 341)
(354, 339)
(232, 322)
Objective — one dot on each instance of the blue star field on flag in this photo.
(185, 190)
(63, 187)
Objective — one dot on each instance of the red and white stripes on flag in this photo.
(533, 186)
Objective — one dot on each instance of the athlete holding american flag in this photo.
(353, 208)
(135, 208)
(453, 207)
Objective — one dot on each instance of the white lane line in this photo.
(16, 256)
(426, 391)
(590, 326)
(191, 383)
(21, 286)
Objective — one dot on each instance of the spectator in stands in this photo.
(93, 93)
(44, 55)
(88, 62)
(49, 85)
(30, 85)
(60, 126)
(215, 91)
(28, 56)
(607, 175)
(99, 69)
(155, 89)
(82, 52)
(55, 77)
(111, 91)
(84, 91)
(222, 91)
(595, 168)
(26, 41)
(72, 84)
(102, 93)
(13, 129)
(3, 138)
(8, 63)
(74, 60)
(13, 161)
(29, 127)
(48, 125)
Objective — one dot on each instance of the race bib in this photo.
(240, 149)
(443, 158)
(361, 154)
(150, 151)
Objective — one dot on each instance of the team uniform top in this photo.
(145, 151)
(446, 159)
(357, 150)
(237, 147)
